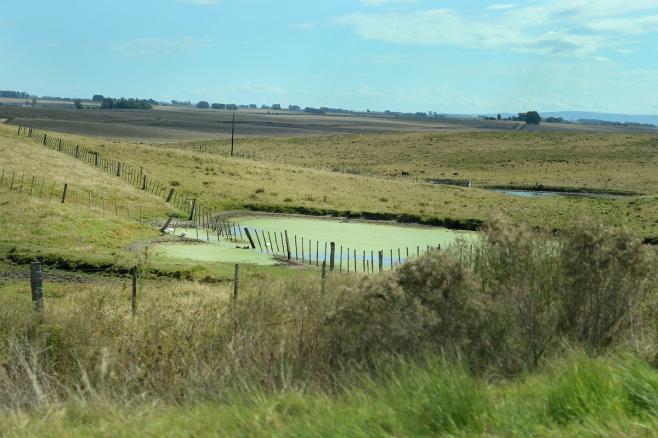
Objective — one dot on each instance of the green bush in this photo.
(605, 275)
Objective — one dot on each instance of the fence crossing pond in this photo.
(359, 245)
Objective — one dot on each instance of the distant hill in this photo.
(621, 118)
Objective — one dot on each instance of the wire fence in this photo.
(204, 222)
(132, 174)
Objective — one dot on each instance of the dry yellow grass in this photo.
(22, 157)
(601, 161)
(35, 223)
(223, 183)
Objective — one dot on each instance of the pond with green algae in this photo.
(357, 242)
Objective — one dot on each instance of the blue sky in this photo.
(412, 55)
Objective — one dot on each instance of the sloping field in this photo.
(100, 215)
(595, 161)
(222, 183)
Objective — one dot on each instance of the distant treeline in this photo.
(123, 103)
(276, 107)
(14, 94)
(607, 123)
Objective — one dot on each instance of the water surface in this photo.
(357, 242)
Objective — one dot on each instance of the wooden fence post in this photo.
(258, 240)
(64, 192)
(192, 211)
(332, 255)
(171, 195)
(236, 281)
(251, 241)
(133, 298)
(36, 283)
(324, 275)
(118, 169)
(288, 245)
(340, 262)
(144, 182)
(381, 261)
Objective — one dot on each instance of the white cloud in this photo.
(630, 26)
(158, 46)
(573, 27)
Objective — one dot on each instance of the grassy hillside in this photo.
(601, 161)
(222, 183)
(99, 218)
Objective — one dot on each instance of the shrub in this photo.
(519, 274)
(428, 303)
(605, 275)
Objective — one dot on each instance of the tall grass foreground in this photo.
(517, 299)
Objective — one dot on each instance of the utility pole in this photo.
(232, 133)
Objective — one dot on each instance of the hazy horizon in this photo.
(401, 55)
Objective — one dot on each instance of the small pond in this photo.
(541, 193)
(357, 242)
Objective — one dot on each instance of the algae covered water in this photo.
(357, 243)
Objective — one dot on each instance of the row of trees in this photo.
(14, 94)
(276, 107)
(223, 106)
(531, 118)
(123, 103)
(231, 106)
